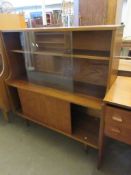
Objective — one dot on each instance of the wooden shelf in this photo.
(91, 57)
(86, 101)
(50, 42)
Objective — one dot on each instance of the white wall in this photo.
(127, 31)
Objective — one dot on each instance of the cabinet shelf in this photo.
(50, 42)
(91, 57)
(87, 101)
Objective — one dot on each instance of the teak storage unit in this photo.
(4, 99)
(117, 111)
(59, 76)
(98, 12)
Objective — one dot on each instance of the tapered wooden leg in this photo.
(101, 153)
(101, 139)
(5, 114)
(86, 148)
(27, 122)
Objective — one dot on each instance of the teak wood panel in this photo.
(91, 71)
(92, 12)
(92, 40)
(48, 110)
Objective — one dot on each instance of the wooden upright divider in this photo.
(7, 21)
(59, 77)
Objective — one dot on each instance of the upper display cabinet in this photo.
(81, 60)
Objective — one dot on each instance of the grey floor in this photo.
(36, 150)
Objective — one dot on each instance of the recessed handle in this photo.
(117, 118)
(115, 130)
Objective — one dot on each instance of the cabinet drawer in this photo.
(119, 133)
(118, 117)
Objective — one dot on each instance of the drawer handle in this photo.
(117, 118)
(115, 130)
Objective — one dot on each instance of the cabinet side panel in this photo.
(115, 55)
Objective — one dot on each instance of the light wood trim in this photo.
(86, 101)
(101, 58)
(66, 29)
(115, 55)
(120, 92)
(114, 11)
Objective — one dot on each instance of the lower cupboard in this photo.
(75, 121)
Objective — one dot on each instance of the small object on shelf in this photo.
(85, 138)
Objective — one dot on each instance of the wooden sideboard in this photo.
(58, 77)
(117, 112)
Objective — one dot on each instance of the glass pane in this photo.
(48, 58)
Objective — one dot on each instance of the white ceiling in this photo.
(19, 3)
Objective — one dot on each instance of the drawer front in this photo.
(118, 117)
(119, 133)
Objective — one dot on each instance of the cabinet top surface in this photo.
(80, 28)
(120, 92)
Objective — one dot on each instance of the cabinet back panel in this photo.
(92, 40)
(91, 71)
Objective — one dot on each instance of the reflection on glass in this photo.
(45, 59)
(1, 64)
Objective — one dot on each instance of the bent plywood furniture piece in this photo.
(4, 72)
